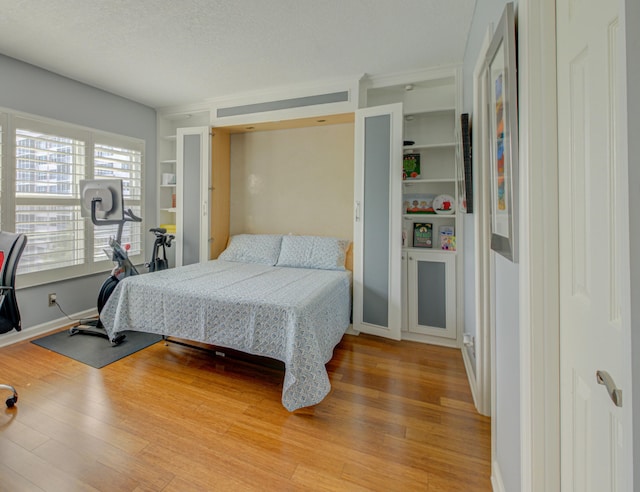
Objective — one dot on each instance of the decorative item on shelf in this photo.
(447, 238)
(411, 166)
(422, 235)
(173, 200)
(408, 143)
(168, 179)
(444, 204)
(418, 204)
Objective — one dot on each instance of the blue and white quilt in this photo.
(295, 315)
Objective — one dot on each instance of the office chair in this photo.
(11, 248)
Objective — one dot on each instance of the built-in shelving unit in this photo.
(431, 276)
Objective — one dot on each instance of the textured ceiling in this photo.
(169, 52)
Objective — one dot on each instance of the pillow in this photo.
(253, 248)
(326, 253)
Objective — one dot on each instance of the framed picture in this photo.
(502, 85)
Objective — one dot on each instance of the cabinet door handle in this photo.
(357, 211)
(411, 258)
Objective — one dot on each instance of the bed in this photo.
(283, 297)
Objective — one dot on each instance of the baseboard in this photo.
(496, 478)
(41, 329)
(471, 375)
(351, 331)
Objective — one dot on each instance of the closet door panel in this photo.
(377, 228)
(193, 181)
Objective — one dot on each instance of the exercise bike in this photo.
(124, 268)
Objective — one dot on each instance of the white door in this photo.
(377, 234)
(193, 180)
(594, 264)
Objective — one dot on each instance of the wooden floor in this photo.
(400, 417)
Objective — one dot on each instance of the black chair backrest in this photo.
(11, 248)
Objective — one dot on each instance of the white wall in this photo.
(507, 275)
(33, 90)
(293, 181)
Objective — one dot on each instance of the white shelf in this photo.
(168, 186)
(171, 210)
(428, 216)
(418, 146)
(429, 250)
(409, 182)
(168, 161)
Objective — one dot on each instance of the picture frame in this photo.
(502, 88)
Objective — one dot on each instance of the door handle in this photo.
(357, 211)
(603, 377)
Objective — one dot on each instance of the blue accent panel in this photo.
(432, 300)
(377, 153)
(191, 200)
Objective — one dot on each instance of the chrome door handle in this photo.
(603, 377)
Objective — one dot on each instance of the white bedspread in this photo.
(295, 315)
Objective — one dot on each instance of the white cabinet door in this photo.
(377, 232)
(193, 185)
(431, 296)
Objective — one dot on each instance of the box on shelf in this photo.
(168, 179)
(447, 238)
(411, 166)
(171, 228)
(422, 235)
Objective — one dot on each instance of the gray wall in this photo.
(33, 90)
(507, 276)
(633, 104)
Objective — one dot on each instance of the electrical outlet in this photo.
(52, 299)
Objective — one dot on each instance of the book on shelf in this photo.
(447, 238)
(422, 235)
(411, 166)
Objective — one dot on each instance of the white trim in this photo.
(539, 284)
(483, 365)
(41, 329)
(496, 478)
(402, 78)
(469, 367)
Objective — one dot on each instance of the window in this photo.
(42, 187)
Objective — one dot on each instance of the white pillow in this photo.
(326, 253)
(253, 248)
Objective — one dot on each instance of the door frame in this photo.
(539, 287)
(539, 247)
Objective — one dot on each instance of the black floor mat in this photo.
(93, 350)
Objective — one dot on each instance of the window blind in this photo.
(48, 170)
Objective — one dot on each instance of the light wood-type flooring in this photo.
(400, 417)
